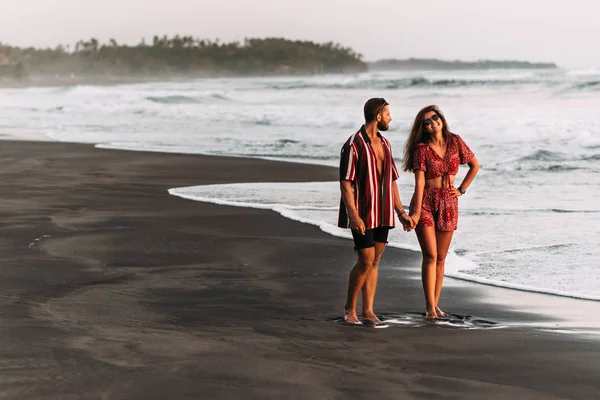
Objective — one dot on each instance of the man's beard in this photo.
(382, 126)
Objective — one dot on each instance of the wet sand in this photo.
(110, 288)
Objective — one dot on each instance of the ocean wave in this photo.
(423, 82)
(403, 83)
(479, 213)
(463, 252)
(485, 213)
(288, 141)
(555, 168)
(261, 121)
(593, 85)
(181, 99)
(57, 109)
(522, 211)
(219, 97)
(548, 161)
(537, 166)
(530, 248)
(84, 90)
(593, 157)
(64, 89)
(176, 99)
(429, 95)
(543, 155)
(563, 211)
(315, 158)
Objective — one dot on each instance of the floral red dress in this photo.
(439, 207)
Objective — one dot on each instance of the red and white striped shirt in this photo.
(373, 196)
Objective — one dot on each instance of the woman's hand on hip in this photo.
(455, 192)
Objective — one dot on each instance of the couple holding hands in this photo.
(370, 198)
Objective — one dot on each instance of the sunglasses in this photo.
(385, 103)
(428, 121)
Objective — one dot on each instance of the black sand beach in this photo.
(112, 289)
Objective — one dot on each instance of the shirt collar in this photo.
(363, 132)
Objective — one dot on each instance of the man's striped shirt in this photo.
(373, 196)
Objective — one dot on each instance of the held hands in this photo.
(408, 222)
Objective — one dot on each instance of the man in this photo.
(370, 195)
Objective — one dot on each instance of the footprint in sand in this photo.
(364, 324)
(417, 319)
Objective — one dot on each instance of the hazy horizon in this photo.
(468, 30)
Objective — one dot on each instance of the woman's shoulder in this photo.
(457, 140)
(420, 151)
(420, 148)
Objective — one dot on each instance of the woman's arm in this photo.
(473, 169)
(418, 196)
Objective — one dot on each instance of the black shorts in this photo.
(370, 237)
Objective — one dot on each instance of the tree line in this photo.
(181, 55)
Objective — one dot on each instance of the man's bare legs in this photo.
(363, 277)
(368, 289)
(442, 244)
(358, 275)
(427, 241)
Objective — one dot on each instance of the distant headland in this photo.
(184, 57)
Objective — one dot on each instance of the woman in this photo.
(433, 153)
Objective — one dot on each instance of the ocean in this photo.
(530, 220)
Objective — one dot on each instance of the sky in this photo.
(564, 32)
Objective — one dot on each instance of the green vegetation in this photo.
(433, 64)
(188, 57)
(179, 56)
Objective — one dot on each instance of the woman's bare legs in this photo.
(443, 240)
(427, 241)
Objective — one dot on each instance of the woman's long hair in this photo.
(418, 134)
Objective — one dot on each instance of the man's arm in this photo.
(402, 216)
(397, 202)
(356, 224)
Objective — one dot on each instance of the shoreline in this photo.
(20, 134)
(113, 288)
(452, 270)
(550, 310)
(552, 306)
